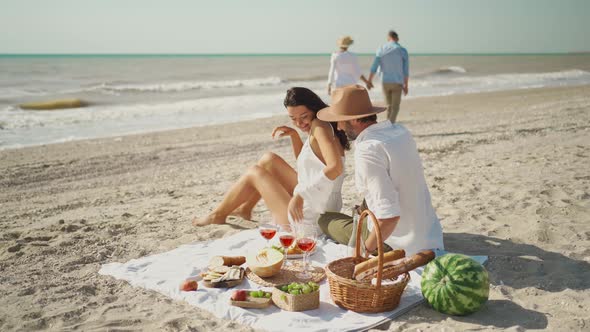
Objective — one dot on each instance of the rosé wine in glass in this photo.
(286, 240)
(306, 234)
(267, 231)
(286, 237)
(306, 244)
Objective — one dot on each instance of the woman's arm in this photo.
(296, 141)
(329, 152)
(331, 74)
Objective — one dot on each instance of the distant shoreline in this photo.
(125, 55)
(273, 118)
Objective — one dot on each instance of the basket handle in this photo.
(377, 229)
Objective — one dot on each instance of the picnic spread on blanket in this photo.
(334, 292)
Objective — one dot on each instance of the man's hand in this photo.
(283, 131)
(369, 85)
(358, 209)
(405, 89)
(295, 208)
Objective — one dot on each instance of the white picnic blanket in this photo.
(164, 272)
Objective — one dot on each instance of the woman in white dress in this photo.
(344, 67)
(303, 194)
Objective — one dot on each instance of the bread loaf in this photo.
(370, 266)
(394, 268)
(226, 261)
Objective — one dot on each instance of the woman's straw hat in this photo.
(348, 103)
(345, 41)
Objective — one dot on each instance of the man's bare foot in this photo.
(242, 213)
(208, 220)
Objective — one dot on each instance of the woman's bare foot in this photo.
(208, 220)
(245, 214)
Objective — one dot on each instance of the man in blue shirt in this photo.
(392, 59)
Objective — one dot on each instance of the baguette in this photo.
(373, 263)
(226, 261)
(398, 266)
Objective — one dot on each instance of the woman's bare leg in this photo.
(280, 170)
(256, 180)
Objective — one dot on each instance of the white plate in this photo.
(296, 256)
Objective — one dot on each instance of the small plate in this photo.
(252, 302)
(294, 256)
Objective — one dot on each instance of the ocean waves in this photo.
(185, 86)
(136, 105)
(23, 128)
(121, 88)
(441, 84)
(443, 71)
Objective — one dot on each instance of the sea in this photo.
(129, 94)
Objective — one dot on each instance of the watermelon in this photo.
(455, 284)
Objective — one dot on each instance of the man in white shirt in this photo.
(344, 67)
(388, 173)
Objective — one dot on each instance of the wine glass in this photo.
(306, 234)
(286, 238)
(267, 231)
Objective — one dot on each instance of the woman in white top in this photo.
(344, 67)
(317, 181)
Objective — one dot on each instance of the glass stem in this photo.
(285, 260)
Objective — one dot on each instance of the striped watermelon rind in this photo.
(455, 284)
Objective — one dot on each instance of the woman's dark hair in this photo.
(299, 96)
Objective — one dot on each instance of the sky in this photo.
(292, 26)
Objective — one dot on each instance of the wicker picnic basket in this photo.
(358, 296)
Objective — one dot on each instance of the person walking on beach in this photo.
(388, 173)
(303, 194)
(393, 61)
(344, 67)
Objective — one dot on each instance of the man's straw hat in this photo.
(345, 41)
(348, 103)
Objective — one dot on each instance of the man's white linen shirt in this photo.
(344, 69)
(389, 174)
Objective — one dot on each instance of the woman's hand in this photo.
(295, 208)
(283, 131)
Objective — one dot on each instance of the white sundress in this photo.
(308, 167)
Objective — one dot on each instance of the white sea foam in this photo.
(452, 69)
(186, 85)
(118, 88)
(435, 86)
(22, 128)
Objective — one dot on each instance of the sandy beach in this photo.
(508, 173)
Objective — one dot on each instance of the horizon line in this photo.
(281, 54)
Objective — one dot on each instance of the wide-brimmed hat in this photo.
(348, 103)
(345, 41)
